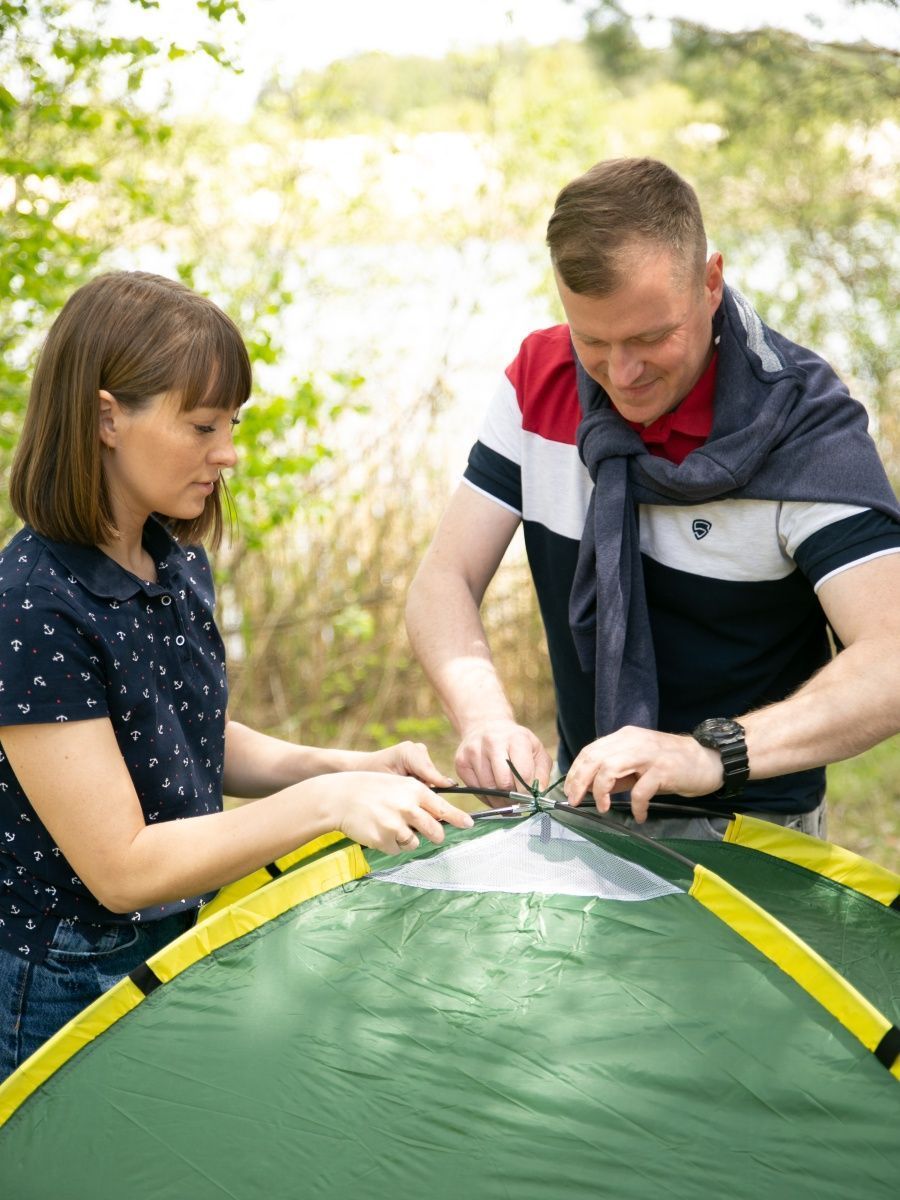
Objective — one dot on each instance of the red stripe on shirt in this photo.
(543, 377)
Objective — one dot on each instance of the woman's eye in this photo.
(205, 428)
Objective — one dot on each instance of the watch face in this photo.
(715, 731)
(721, 725)
(727, 737)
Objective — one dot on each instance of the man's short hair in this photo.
(618, 205)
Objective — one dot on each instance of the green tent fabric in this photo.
(538, 1009)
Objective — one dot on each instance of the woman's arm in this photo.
(77, 781)
(256, 764)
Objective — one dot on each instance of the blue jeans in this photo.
(83, 962)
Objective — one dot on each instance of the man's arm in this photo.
(448, 638)
(850, 705)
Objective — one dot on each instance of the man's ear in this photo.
(714, 281)
(109, 414)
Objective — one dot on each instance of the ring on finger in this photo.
(410, 837)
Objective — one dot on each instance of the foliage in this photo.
(76, 175)
(805, 158)
(317, 646)
(863, 809)
(92, 179)
(377, 92)
(791, 143)
(793, 148)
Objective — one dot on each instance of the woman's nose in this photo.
(225, 453)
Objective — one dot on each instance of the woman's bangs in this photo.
(214, 371)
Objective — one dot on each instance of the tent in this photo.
(540, 1008)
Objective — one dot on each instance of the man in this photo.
(701, 502)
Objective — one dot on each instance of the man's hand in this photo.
(482, 754)
(647, 764)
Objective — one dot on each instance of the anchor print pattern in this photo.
(81, 638)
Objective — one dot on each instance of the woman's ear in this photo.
(109, 415)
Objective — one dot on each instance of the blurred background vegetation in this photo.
(376, 228)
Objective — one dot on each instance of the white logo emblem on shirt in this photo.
(700, 527)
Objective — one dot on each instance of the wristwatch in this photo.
(719, 733)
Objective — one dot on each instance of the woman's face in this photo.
(162, 459)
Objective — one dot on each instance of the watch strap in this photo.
(728, 738)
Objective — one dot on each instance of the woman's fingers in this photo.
(392, 813)
(412, 758)
(443, 810)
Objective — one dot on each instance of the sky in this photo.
(288, 36)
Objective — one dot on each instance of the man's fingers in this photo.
(543, 765)
(500, 772)
(601, 778)
(481, 760)
(642, 792)
(476, 773)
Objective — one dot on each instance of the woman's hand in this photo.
(387, 812)
(406, 758)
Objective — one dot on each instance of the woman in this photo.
(116, 742)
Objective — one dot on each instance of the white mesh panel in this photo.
(537, 855)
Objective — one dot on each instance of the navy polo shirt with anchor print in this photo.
(81, 638)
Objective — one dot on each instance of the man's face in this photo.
(648, 342)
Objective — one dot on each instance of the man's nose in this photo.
(623, 366)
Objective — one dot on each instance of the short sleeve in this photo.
(494, 462)
(826, 539)
(50, 666)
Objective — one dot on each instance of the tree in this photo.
(75, 155)
(794, 152)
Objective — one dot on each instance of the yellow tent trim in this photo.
(257, 879)
(57, 1050)
(845, 867)
(241, 917)
(798, 960)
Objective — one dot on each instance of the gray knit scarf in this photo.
(784, 428)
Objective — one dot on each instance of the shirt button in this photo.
(179, 641)
(167, 600)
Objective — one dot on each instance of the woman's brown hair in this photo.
(137, 336)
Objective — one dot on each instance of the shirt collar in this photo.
(693, 415)
(102, 576)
